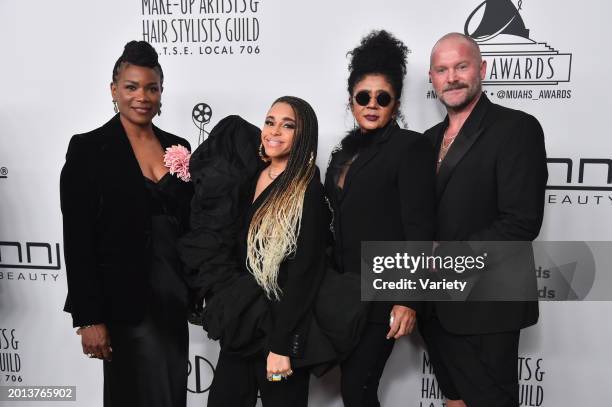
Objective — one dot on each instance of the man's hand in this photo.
(401, 322)
(96, 341)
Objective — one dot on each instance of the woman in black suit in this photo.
(122, 213)
(380, 182)
(257, 248)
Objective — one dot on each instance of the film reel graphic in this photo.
(201, 115)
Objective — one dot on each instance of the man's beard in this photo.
(469, 97)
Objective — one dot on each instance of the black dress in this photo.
(149, 366)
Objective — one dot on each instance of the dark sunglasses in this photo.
(363, 98)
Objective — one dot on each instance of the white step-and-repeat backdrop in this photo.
(224, 57)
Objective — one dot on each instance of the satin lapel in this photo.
(362, 159)
(469, 133)
(365, 156)
(121, 162)
(439, 135)
(164, 140)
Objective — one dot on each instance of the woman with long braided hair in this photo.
(282, 254)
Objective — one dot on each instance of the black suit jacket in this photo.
(107, 225)
(299, 275)
(388, 195)
(490, 187)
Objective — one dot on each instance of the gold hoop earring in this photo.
(115, 107)
(262, 153)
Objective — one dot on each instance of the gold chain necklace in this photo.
(445, 147)
(271, 175)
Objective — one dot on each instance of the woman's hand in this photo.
(402, 321)
(279, 365)
(96, 341)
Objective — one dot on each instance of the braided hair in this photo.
(139, 53)
(275, 226)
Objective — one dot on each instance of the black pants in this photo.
(481, 370)
(362, 371)
(238, 379)
(149, 366)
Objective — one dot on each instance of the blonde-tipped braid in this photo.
(274, 231)
(275, 226)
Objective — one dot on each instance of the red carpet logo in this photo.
(531, 380)
(39, 256)
(203, 27)
(582, 181)
(41, 263)
(200, 372)
(512, 56)
(10, 360)
(597, 166)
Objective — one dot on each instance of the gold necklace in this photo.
(273, 176)
(445, 147)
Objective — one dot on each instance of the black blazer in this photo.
(490, 187)
(107, 225)
(299, 275)
(388, 195)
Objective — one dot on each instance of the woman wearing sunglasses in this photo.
(380, 183)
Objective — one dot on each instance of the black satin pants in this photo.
(149, 365)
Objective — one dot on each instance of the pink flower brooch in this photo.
(176, 159)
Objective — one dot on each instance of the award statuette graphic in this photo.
(201, 115)
(512, 56)
(500, 17)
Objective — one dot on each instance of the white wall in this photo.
(56, 67)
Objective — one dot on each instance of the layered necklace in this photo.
(447, 142)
